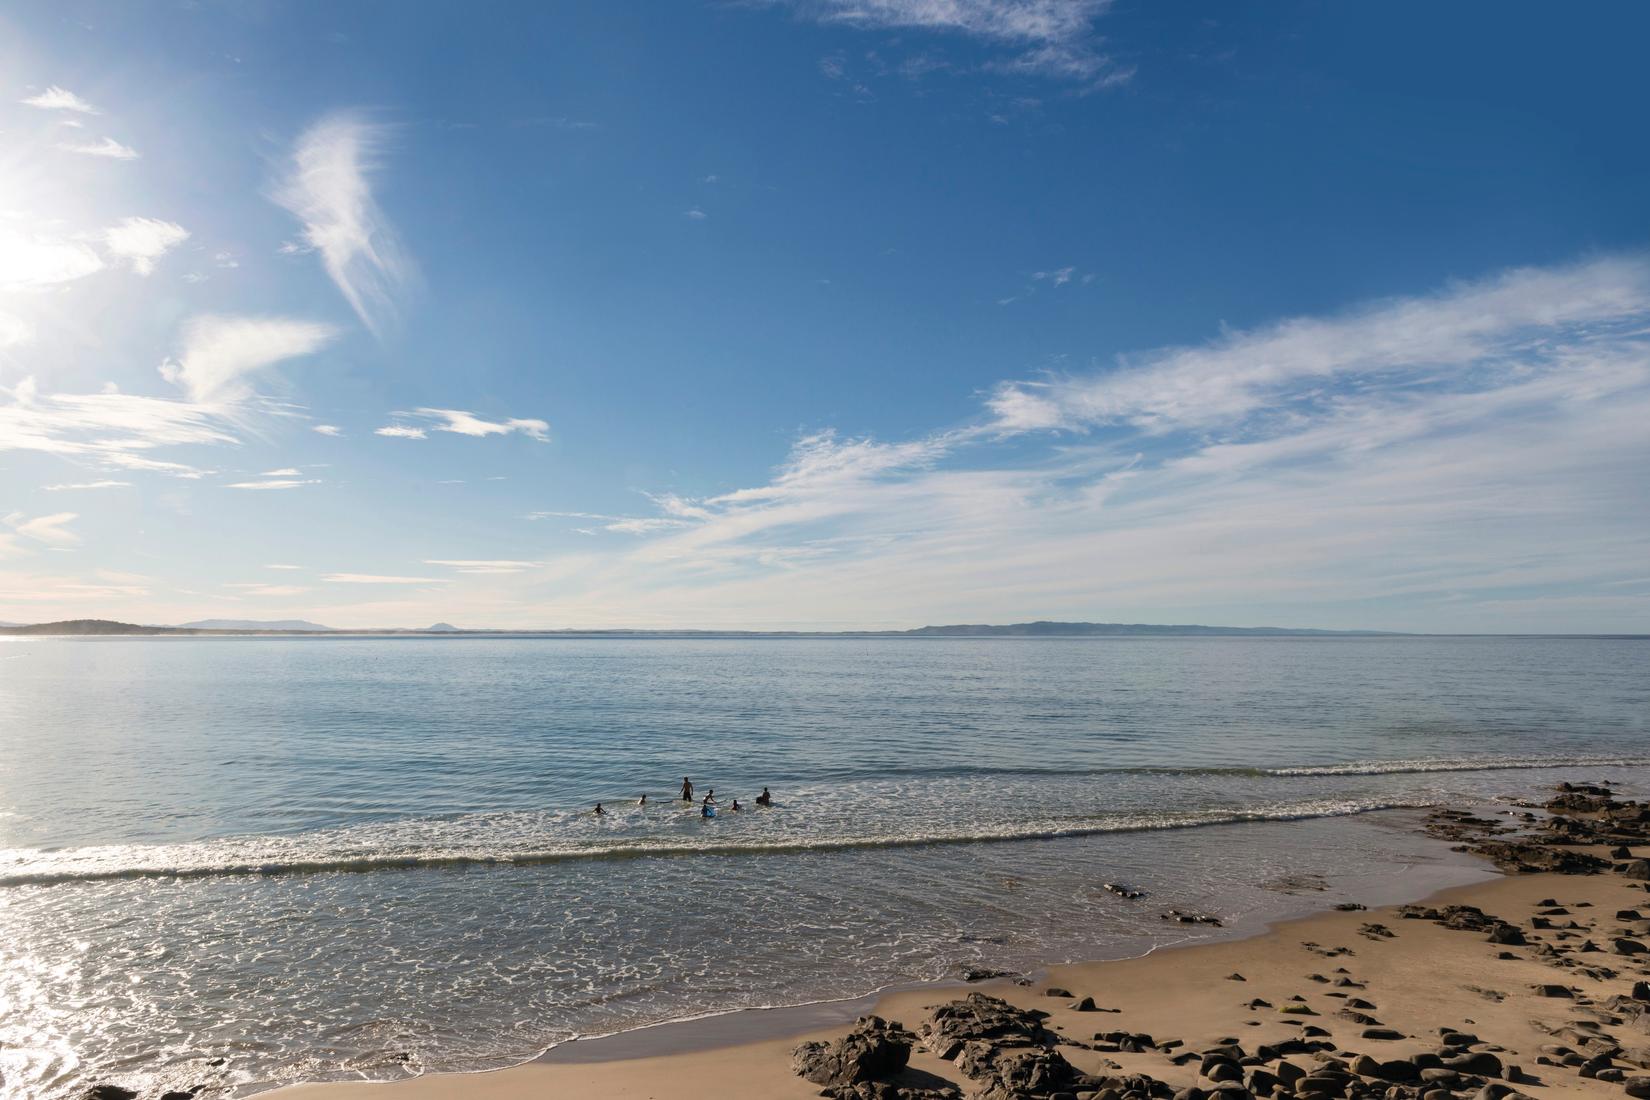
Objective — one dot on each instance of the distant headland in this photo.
(1040, 629)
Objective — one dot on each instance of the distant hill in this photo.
(253, 624)
(1043, 628)
(86, 626)
(443, 628)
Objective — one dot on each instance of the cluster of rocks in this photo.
(1314, 1069)
(1003, 1052)
(1579, 815)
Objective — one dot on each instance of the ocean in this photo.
(245, 862)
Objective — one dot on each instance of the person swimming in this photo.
(642, 801)
(687, 789)
(764, 799)
(735, 806)
(598, 811)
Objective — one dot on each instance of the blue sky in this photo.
(830, 313)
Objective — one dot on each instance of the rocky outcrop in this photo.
(979, 1017)
(875, 1050)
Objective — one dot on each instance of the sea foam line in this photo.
(649, 848)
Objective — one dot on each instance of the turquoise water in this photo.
(324, 858)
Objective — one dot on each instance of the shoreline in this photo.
(693, 1052)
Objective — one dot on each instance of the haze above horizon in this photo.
(809, 314)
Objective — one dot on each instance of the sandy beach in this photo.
(1536, 980)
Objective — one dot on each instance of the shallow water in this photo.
(335, 857)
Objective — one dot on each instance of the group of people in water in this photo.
(707, 807)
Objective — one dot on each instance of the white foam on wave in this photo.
(310, 854)
(1407, 767)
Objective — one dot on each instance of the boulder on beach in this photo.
(982, 1017)
(873, 1051)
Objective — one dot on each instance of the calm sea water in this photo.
(246, 861)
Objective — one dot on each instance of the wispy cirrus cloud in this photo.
(53, 530)
(258, 589)
(328, 189)
(460, 422)
(274, 483)
(219, 358)
(55, 98)
(104, 484)
(1474, 456)
(1455, 336)
(377, 578)
(484, 567)
(328, 429)
(142, 241)
(108, 148)
(220, 353)
(1051, 38)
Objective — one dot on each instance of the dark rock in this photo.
(1637, 1087)
(1084, 1005)
(874, 1050)
(1234, 976)
(1222, 1070)
(110, 1092)
(1056, 991)
(1016, 1073)
(1626, 946)
(1552, 991)
(1479, 1063)
(1638, 869)
(979, 1016)
(983, 973)
(1383, 1033)
(1507, 935)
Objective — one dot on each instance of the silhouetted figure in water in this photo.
(598, 811)
(687, 789)
(735, 806)
(764, 799)
(642, 801)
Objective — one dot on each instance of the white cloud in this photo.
(142, 241)
(219, 352)
(1056, 37)
(286, 567)
(39, 261)
(287, 471)
(1467, 460)
(472, 566)
(1278, 368)
(60, 99)
(51, 530)
(459, 422)
(87, 485)
(696, 214)
(328, 191)
(373, 578)
(258, 589)
(110, 429)
(328, 429)
(278, 483)
(108, 147)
